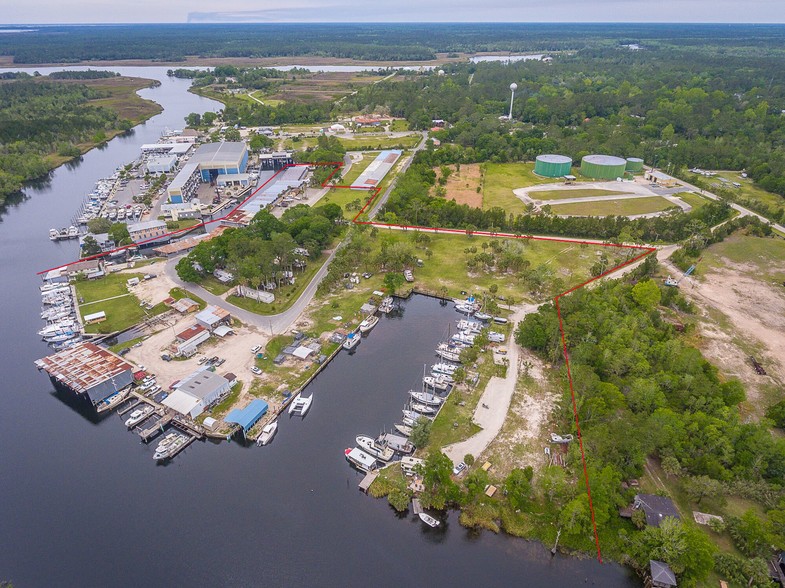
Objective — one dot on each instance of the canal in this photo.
(83, 503)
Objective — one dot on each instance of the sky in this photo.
(149, 11)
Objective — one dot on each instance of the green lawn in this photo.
(502, 178)
(342, 197)
(300, 144)
(577, 193)
(694, 200)
(748, 188)
(212, 285)
(399, 125)
(382, 142)
(761, 257)
(614, 207)
(179, 293)
(106, 287)
(122, 311)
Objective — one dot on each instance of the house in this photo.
(147, 231)
(223, 276)
(184, 305)
(656, 508)
(662, 575)
(213, 316)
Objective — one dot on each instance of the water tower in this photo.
(513, 87)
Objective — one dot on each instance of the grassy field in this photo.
(212, 285)
(694, 200)
(179, 293)
(748, 188)
(359, 167)
(502, 178)
(765, 255)
(344, 196)
(380, 142)
(301, 144)
(399, 125)
(122, 309)
(614, 207)
(578, 193)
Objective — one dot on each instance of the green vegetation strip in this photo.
(625, 207)
(577, 193)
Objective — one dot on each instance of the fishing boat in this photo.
(405, 430)
(369, 446)
(387, 305)
(444, 368)
(351, 341)
(429, 520)
(137, 416)
(483, 316)
(368, 324)
(268, 432)
(359, 459)
(422, 408)
(436, 382)
(300, 406)
(425, 398)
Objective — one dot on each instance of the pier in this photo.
(366, 482)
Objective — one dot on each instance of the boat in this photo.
(59, 338)
(448, 355)
(351, 341)
(369, 323)
(370, 447)
(444, 368)
(422, 408)
(397, 443)
(464, 308)
(426, 398)
(429, 520)
(405, 430)
(463, 338)
(387, 305)
(138, 416)
(163, 445)
(51, 287)
(268, 432)
(470, 326)
(300, 406)
(359, 459)
(407, 422)
(171, 448)
(411, 415)
(73, 232)
(436, 382)
(112, 401)
(483, 316)
(54, 234)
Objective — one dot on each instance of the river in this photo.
(83, 504)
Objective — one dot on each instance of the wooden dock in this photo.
(416, 506)
(148, 434)
(367, 481)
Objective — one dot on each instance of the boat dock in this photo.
(416, 506)
(366, 482)
(155, 429)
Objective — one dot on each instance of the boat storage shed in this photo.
(196, 392)
(247, 417)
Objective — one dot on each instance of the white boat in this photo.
(268, 432)
(465, 308)
(470, 326)
(436, 382)
(369, 323)
(429, 520)
(405, 430)
(51, 287)
(54, 234)
(171, 448)
(444, 368)
(138, 415)
(407, 422)
(164, 444)
(425, 398)
(422, 408)
(112, 401)
(387, 305)
(411, 416)
(359, 459)
(495, 337)
(59, 338)
(483, 316)
(351, 341)
(448, 355)
(73, 232)
(373, 449)
(463, 338)
(300, 406)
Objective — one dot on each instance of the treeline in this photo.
(90, 74)
(257, 78)
(39, 118)
(672, 107)
(266, 253)
(328, 150)
(641, 390)
(388, 42)
(410, 203)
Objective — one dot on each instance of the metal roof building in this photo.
(227, 157)
(88, 371)
(377, 169)
(212, 316)
(271, 188)
(196, 392)
(247, 417)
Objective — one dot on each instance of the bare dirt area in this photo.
(524, 434)
(155, 290)
(756, 313)
(462, 185)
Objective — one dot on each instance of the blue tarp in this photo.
(248, 416)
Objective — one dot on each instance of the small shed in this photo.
(490, 490)
(185, 305)
(210, 423)
(302, 352)
(96, 317)
(662, 575)
(223, 331)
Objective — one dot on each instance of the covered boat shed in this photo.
(247, 417)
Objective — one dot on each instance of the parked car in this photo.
(256, 348)
(166, 357)
(457, 470)
(256, 370)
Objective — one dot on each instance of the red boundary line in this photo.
(375, 192)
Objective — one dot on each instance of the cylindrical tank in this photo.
(634, 165)
(552, 166)
(603, 167)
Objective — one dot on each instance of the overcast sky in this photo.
(129, 11)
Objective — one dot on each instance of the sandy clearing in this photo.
(155, 290)
(462, 185)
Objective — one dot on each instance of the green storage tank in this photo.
(552, 166)
(603, 167)
(634, 165)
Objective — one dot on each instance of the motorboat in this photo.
(411, 416)
(444, 368)
(54, 287)
(112, 401)
(429, 520)
(359, 459)
(351, 341)
(422, 408)
(465, 308)
(436, 382)
(369, 446)
(59, 338)
(470, 326)
(73, 232)
(387, 305)
(268, 432)
(448, 355)
(405, 430)
(163, 446)
(463, 338)
(54, 234)
(171, 448)
(426, 398)
(482, 316)
(369, 323)
(495, 337)
(300, 406)
(138, 415)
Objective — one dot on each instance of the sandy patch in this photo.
(462, 185)
(155, 290)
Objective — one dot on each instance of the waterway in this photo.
(83, 504)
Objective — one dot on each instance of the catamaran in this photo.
(300, 406)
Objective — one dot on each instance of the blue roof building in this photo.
(247, 417)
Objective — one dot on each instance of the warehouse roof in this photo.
(201, 384)
(215, 152)
(248, 416)
(83, 366)
(180, 402)
(212, 314)
(144, 225)
(190, 332)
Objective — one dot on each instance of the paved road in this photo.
(383, 199)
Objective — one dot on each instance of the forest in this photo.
(388, 42)
(642, 390)
(39, 118)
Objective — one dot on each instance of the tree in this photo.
(392, 281)
(99, 225)
(398, 499)
(421, 432)
(749, 533)
(518, 487)
(647, 294)
(698, 487)
(776, 412)
(90, 246)
(440, 489)
(118, 233)
(671, 466)
(193, 120)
